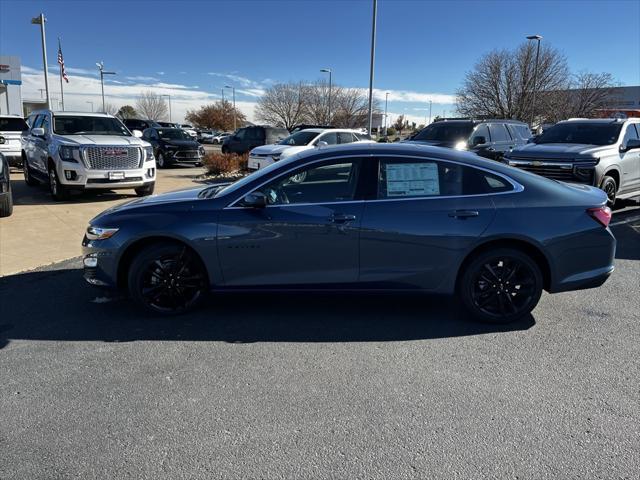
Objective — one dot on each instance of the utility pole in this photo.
(102, 74)
(328, 70)
(167, 95)
(386, 98)
(535, 77)
(40, 20)
(373, 55)
(429, 111)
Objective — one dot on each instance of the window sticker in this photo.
(412, 179)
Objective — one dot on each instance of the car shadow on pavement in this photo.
(39, 195)
(69, 310)
(626, 228)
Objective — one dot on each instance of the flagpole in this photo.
(60, 65)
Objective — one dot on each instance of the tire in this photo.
(500, 286)
(167, 279)
(6, 204)
(28, 176)
(58, 192)
(160, 162)
(146, 190)
(610, 187)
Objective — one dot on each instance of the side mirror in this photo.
(631, 144)
(479, 140)
(255, 200)
(137, 133)
(322, 143)
(37, 132)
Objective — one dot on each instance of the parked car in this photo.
(382, 217)
(76, 151)
(190, 130)
(206, 136)
(264, 156)
(11, 128)
(6, 197)
(247, 138)
(139, 124)
(168, 125)
(219, 138)
(173, 145)
(487, 138)
(600, 152)
(305, 126)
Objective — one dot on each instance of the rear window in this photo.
(13, 125)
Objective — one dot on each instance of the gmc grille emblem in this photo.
(112, 152)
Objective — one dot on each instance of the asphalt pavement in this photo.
(319, 386)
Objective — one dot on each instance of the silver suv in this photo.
(79, 150)
(601, 152)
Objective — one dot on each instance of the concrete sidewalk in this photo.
(42, 231)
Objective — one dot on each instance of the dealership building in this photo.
(10, 86)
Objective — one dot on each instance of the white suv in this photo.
(11, 129)
(265, 155)
(79, 150)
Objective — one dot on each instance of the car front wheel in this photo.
(167, 279)
(146, 190)
(28, 176)
(501, 286)
(160, 161)
(58, 192)
(610, 187)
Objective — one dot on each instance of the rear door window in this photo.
(345, 137)
(499, 133)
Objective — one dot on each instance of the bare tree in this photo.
(283, 105)
(151, 105)
(352, 108)
(587, 93)
(502, 82)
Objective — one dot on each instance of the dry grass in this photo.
(225, 163)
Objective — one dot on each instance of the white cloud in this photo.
(142, 78)
(414, 97)
(160, 73)
(83, 89)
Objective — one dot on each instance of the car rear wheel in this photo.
(58, 192)
(160, 162)
(6, 204)
(146, 190)
(610, 187)
(501, 286)
(28, 176)
(167, 279)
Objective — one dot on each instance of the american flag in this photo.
(61, 62)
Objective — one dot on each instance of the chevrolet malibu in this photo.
(365, 217)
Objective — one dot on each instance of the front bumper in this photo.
(257, 163)
(99, 262)
(183, 156)
(76, 175)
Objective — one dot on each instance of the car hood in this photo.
(275, 148)
(558, 151)
(182, 143)
(102, 140)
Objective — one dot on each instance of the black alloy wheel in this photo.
(610, 187)
(501, 286)
(167, 279)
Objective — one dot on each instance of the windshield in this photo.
(173, 134)
(581, 132)
(13, 125)
(299, 138)
(445, 132)
(71, 125)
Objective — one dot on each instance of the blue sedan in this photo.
(361, 217)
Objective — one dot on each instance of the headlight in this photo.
(201, 150)
(148, 153)
(67, 153)
(99, 233)
(275, 156)
(461, 146)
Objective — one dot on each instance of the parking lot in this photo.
(312, 386)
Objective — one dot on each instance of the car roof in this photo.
(60, 113)
(321, 130)
(476, 121)
(600, 121)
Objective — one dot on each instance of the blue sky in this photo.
(190, 49)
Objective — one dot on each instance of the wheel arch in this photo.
(138, 245)
(524, 245)
(614, 173)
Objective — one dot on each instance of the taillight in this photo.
(602, 215)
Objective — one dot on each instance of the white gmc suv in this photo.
(79, 150)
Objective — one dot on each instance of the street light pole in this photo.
(328, 70)
(222, 97)
(429, 111)
(373, 54)
(39, 20)
(535, 76)
(233, 90)
(386, 98)
(167, 95)
(102, 74)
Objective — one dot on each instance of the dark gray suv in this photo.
(487, 138)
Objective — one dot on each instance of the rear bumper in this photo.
(584, 280)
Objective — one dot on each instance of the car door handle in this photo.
(341, 218)
(464, 213)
